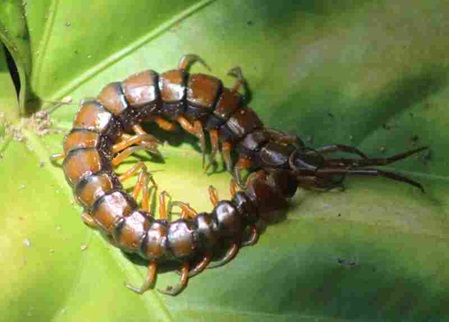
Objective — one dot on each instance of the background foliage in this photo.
(367, 73)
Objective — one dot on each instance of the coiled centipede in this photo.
(100, 140)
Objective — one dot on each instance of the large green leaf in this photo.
(368, 73)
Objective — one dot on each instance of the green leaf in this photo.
(14, 36)
(8, 98)
(372, 74)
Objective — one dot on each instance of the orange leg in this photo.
(138, 130)
(145, 177)
(233, 187)
(163, 205)
(175, 290)
(140, 183)
(187, 60)
(226, 151)
(132, 171)
(149, 281)
(146, 192)
(213, 196)
(166, 207)
(214, 148)
(252, 240)
(230, 254)
(164, 124)
(148, 140)
(201, 266)
(186, 210)
(119, 158)
(195, 129)
(88, 220)
(242, 164)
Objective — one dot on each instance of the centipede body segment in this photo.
(107, 130)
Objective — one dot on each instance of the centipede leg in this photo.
(201, 266)
(214, 142)
(146, 140)
(175, 290)
(253, 238)
(146, 192)
(145, 177)
(163, 205)
(139, 130)
(119, 158)
(213, 195)
(149, 280)
(242, 164)
(230, 254)
(240, 83)
(237, 72)
(132, 171)
(164, 124)
(88, 220)
(226, 152)
(56, 157)
(233, 187)
(284, 138)
(187, 61)
(186, 210)
(195, 129)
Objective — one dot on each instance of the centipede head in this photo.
(305, 160)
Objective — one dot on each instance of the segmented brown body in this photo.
(197, 102)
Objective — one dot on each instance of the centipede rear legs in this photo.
(166, 205)
(235, 244)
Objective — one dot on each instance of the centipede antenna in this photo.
(66, 100)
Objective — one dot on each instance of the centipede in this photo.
(108, 129)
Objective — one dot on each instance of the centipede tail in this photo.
(107, 130)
